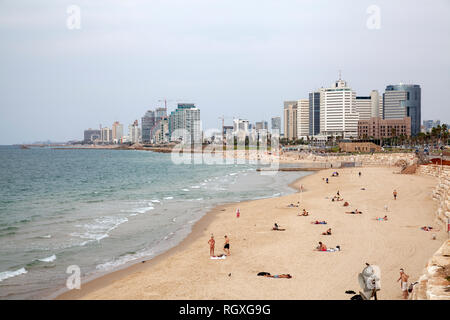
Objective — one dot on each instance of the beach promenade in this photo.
(187, 272)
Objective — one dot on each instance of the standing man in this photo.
(404, 283)
(395, 194)
(238, 214)
(226, 247)
(211, 243)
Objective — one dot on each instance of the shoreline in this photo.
(390, 244)
(101, 280)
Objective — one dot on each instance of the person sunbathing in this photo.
(321, 247)
(346, 204)
(426, 228)
(268, 275)
(354, 212)
(385, 218)
(327, 233)
(318, 222)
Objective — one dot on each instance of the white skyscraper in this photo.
(369, 106)
(134, 132)
(338, 115)
(302, 118)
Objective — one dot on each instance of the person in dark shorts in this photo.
(226, 247)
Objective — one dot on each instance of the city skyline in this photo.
(58, 82)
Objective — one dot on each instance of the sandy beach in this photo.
(187, 272)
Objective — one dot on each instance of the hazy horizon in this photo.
(229, 58)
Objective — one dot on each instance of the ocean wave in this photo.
(48, 259)
(10, 274)
(168, 198)
(185, 189)
(99, 229)
(195, 187)
(123, 259)
(155, 201)
(48, 236)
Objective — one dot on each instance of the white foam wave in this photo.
(185, 189)
(195, 187)
(48, 259)
(10, 274)
(99, 229)
(168, 198)
(155, 201)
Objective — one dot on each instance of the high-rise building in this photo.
(117, 132)
(290, 119)
(187, 118)
(430, 124)
(241, 126)
(134, 132)
(338, 116)
(403, 100)
(106, 135)
(314, 113)
(276, 124)
(302, 118)
(148, 121)
(92, 135)
(262, 125)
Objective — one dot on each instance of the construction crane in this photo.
(223, 125)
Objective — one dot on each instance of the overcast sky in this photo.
(233, 58)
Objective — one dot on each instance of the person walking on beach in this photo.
(326, 180)
(359, 174)
(226, 247)
(395, 194)
(238, 214)
(404, 283)
(211, 243)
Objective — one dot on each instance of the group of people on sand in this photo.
(212, 244)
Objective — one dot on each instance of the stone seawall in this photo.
(434, 284)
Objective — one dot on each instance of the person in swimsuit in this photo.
(226, 247)
(404, 283)
(286, 276)
(327, 233)
(321, 247)
(395, 194)
(211, 243)
(238, 214)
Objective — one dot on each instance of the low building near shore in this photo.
(359, 147)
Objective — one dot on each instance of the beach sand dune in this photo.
(186, 272)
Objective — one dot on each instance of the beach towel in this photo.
(217, 258)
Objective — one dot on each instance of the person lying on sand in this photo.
(327, 233)
(346, 204)
(268, 275)
(385, 218)
(337, 198)
(293, 205)
(354, 212)
(426, 228)
(318, 222)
